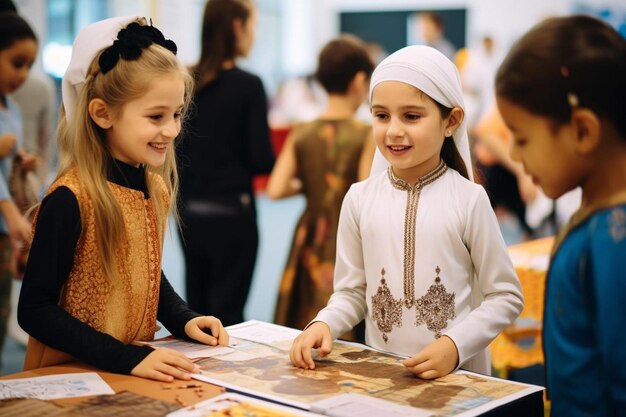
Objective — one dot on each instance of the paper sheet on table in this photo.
(52, 387)
(347, 405)
(262, 332)
(191, 349)
(232, 404)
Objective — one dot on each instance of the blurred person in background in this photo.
(18, 49)
(227, 143)
(432, 32)
(321, 159)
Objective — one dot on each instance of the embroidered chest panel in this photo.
(434, 308)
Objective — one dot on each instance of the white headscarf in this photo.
(428, 70)
(89, 42)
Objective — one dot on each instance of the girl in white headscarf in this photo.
(420, 256)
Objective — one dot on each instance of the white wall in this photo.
(181, 21)
(292, 33)
(314, 22)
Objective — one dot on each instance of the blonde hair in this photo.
(83, 145)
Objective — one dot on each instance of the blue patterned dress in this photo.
(585, 317)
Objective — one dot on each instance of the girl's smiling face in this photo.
(408, 129)
(142, 131)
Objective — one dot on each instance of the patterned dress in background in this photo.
(328, 154)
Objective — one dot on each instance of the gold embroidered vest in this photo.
(127, 307)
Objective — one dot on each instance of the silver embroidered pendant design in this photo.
(386, 310)
(435, 308)
(410, 216)
(617, 225)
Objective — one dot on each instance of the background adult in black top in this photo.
(227, 142)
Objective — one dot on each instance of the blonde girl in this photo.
(93, 286)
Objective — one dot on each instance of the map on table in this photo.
(259, 365)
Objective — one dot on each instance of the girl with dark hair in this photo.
(420, 256)
(18, 49)
(560, 91)
(226, 144)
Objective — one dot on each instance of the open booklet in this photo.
(348, 405)
(258, 365)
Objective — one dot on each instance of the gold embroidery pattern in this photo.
(386, 311)
(409, 224)
(617, 224)
(435, 308)
(126, 309)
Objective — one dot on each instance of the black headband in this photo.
(130, 42)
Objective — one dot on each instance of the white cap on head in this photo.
(428, 70)
(88, 43)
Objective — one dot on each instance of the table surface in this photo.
(164, 391)
(528, 406)
(173, 392)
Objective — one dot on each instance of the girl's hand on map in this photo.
(164, 365)
(316, 336)
(436, 360)
(207, 330)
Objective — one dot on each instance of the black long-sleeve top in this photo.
(50, 262)
(227, 137)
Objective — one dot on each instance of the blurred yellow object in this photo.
(519, 345)
(460, 58)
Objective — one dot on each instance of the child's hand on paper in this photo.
(316, 336)
(165, 365)
(436, 360)
(196, 329)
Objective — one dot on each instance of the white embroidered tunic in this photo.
(422, 261)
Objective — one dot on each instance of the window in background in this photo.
(393, 30)
(65, 18)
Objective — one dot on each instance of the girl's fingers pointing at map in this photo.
(208, 330)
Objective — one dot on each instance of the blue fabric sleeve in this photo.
(607, 271)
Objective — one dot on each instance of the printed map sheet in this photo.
(259, 365)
